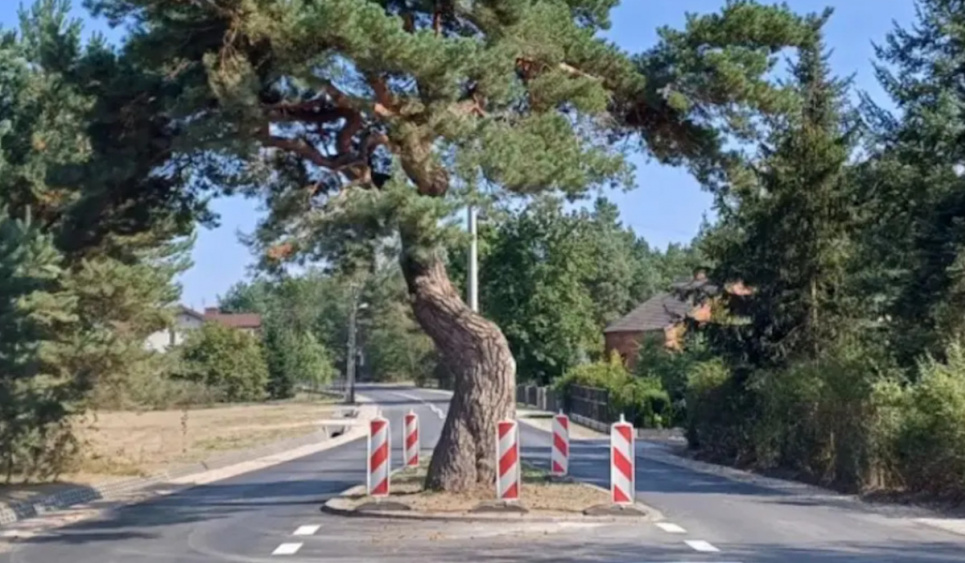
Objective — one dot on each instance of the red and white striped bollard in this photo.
(560, 453)
(411, 439)
(507, 454)
(622, 462)
(379, 458)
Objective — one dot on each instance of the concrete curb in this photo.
(341, 506)
(186, 476)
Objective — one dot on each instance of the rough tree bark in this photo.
(483, 368)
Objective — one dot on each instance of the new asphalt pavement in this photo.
(273, 515)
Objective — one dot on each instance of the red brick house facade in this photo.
(663, 316)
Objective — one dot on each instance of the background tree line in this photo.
(844, 366)
(552, 278)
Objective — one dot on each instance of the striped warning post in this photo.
(622, 462)
(378, 459)
(560, 454)
(507, 452)
(411, 439)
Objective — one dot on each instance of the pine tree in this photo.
(38, 391)
(359, 119)
(60, 149)
(126, 290)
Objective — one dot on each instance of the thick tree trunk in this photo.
(483, 368)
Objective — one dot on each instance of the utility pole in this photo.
(350, 353)
(473, 270)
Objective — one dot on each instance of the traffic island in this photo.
(542, 497)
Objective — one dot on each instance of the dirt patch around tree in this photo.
(541, 494)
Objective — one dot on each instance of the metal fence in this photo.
(589, 407)
(542, 398)
(590, 402)
(336, 386)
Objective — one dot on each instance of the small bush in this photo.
(228, 360)
(154, 383)
(825, 418)
(295, 359)
(641, 399)
(717, 407)
(672, 368)
(931, 439)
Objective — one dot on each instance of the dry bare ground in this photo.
(538, 492)
(125, 444)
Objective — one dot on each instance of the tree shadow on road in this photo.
(204, 503)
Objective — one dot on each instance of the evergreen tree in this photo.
(358, 119)
(56, 154)
(122, 302)
(38, 390)
(913, 195)
(787, 235)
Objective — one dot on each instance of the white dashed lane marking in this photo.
(287, 549)
(701, 545)
(671, 528)
(306, 530)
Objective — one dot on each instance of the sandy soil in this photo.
(538, 492)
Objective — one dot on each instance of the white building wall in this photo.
(161, 340)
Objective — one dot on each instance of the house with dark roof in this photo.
(247, 322)
(662, 315)
(187, 319)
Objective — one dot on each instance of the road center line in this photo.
(287, 549)
(306, 530)
(701, 545)
(438, 412)
(671, 528)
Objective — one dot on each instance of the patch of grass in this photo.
(142, 442)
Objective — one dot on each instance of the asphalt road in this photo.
(273, 515)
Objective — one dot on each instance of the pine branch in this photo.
(314, 111)
(301, 148)
(386, 104)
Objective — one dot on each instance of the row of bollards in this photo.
(509, 473)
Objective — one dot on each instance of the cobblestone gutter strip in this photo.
(16, 511)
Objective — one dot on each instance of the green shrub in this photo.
(825, 419)
(672, 368)
(717, 407)
(226, 359)
(642, 400)
(931, 439)
(295, 358)
(154, 383)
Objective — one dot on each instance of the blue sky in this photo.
(666, 206)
